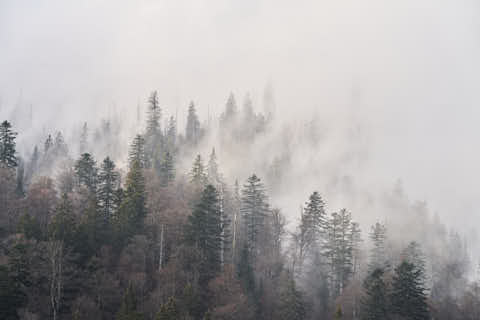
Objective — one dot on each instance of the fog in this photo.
(394, 84)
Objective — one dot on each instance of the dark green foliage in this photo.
(107, 186)
(63, 225)
(128, 310)
(7, 145)
(408, 296)
(254, 210)
(11, 297)
(204, 232)
(375, 303)
(20, 189)
(168, 310)
(292, 306)
(132, 210)
(87, 171)
(137, 152)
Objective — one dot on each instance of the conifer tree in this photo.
(408, 296)
(167, 169)
(375, 301)
(107, 184)
(292, 306)
(86, 171)
(7, 145)
(128, 310)
(212, 169)
(153, 134)
(60, 148)
(197, 175)
(254, 210)
(171, 135)
(378, 256)
(168, 310)
(132, 210)
(20, 189)
(204, 231)
(48, 144)
(230, 110)
(63, 225)
(192, 130)
(137, 152)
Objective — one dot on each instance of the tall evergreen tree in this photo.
(292, 306)
(192, 130)
(63, 225)
(7, 145)
(204, 231)
(87, 171)
(128, 310)
(60, 148)
(254, 210)
(408, 296)
(212, 169)
(153, 134)
(48, 144)
(167, 169)
(132, 210)
(378, 255)
(107, 185)
(137, 152)
(375, 301)
(171, 135)
(197, 175)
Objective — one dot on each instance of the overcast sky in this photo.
(414, 65)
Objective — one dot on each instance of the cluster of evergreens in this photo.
(81, 240)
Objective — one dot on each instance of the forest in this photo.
(164, 231)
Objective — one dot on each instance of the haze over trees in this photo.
(90, 232)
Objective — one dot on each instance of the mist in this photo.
(388, 91)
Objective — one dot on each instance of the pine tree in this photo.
(374, 304)
(20, 189)
(153, 134)
(292, 306)
(63, 225)
(168, 310)
(315, 215)
(132, 210)
(192, 130)
(167, 169)
(7, 145)
(212, 169)
(204, 231)
(378, 256)
(254, 210)
(171, 135)
(107, 184)
(48, 144)
(230, 110)
(197, 174)
(137, 152)
(128, 310)
(154, 113)
(60, 148)
(408, 296)
(86, 171)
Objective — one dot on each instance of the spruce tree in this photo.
(137, 152)
(254, 210)
(128, 309)
(132, 210)
(378, 255)
(375, 301)
(153, 134)
(167, 169)
(168, 310)
(212, 169)
(292, 306)
(63, 225)
(86, 171)
(107, 184)
(171, 135)
(197, 175)
(7, 145)
(60, 148)
(48, 144)
(204, 231)
(192, 130)
(408, 296)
